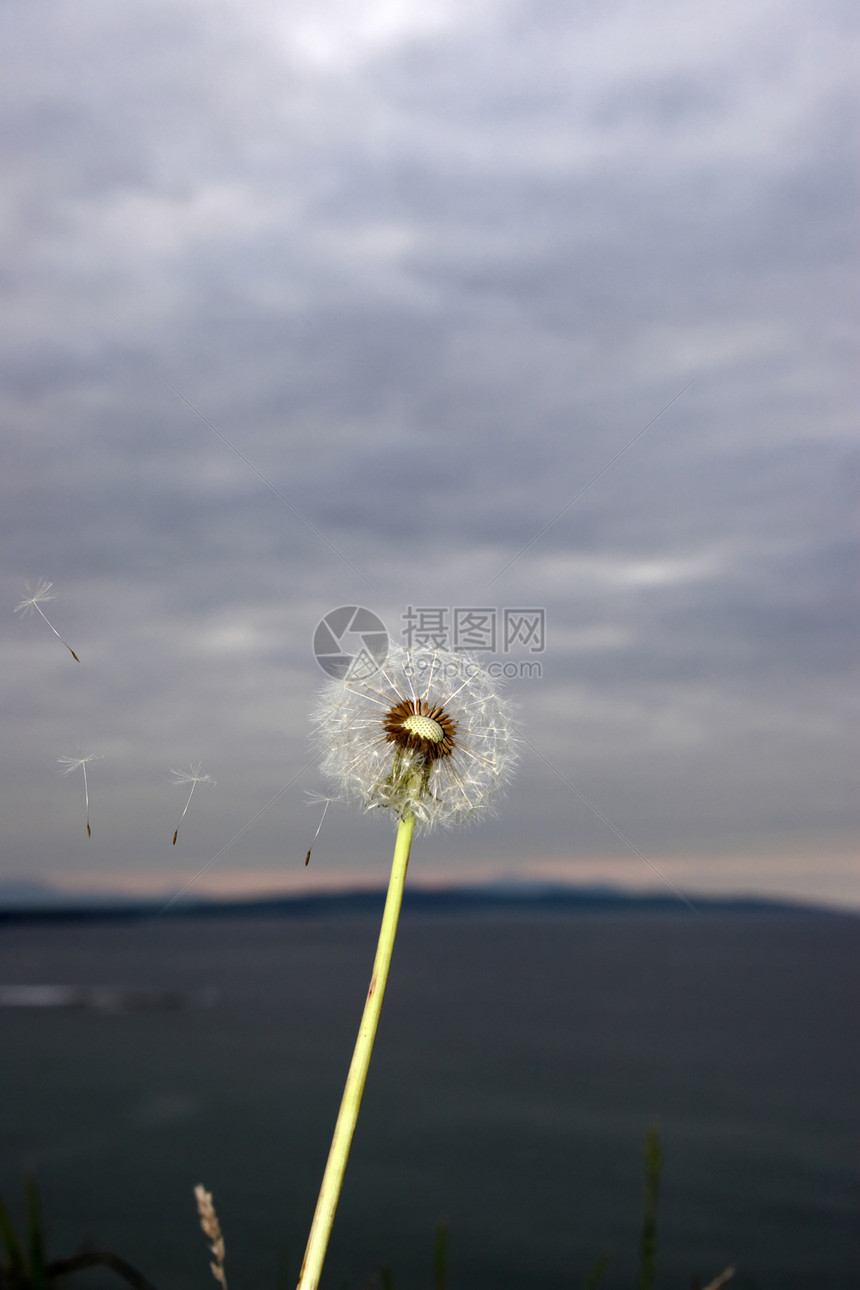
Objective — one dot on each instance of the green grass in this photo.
(24, 1265)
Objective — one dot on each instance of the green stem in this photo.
(355, 1080)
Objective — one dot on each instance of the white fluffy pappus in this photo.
(427, 734)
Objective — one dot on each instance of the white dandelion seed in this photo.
(33, 602)
(317, 799)
(427, 735)
(193, 776)
(72, 763)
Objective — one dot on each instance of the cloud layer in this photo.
(441, 305)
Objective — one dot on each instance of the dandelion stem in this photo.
(348, 1115)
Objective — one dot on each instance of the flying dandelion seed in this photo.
(43, 593)
(316, 799)
(193, 776)
(72, 763)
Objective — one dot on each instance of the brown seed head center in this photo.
(415, 724)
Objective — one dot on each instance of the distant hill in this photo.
(38, 902)
(22, 892)
(25, 894)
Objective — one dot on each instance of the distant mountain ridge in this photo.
(39, 902)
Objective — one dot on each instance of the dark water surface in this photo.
(519, 1062)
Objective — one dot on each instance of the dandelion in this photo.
(427, 736)
(193, 776)
(70, 764)
(42, 594)
(429, 739)
(211, 1229)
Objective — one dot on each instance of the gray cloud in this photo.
(430, 277)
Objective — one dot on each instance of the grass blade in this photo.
(648, 1239)
(440, 1258)
(38, 1279)
(598, 1272)
(15, 1258)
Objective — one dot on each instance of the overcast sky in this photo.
(320, 303)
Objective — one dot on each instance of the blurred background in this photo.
(477, 306)
(521, 325)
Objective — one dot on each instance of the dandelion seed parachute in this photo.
(193, 776)
(34, 602)
(43, 592)
(70, 764)
(428, 734)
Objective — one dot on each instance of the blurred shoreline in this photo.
(26, 903)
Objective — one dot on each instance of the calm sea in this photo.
(519, 1063)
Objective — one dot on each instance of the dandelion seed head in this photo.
(428, 734)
